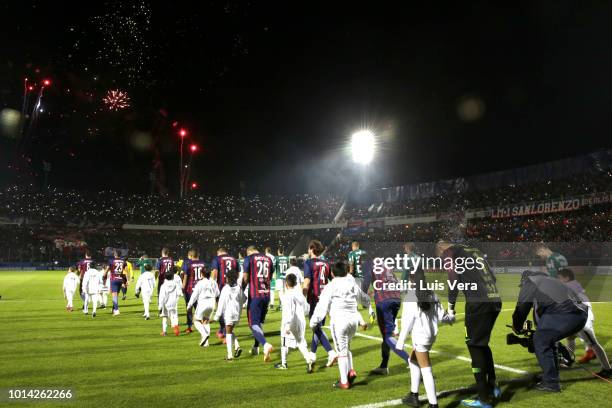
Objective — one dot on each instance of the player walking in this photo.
(421, 314)
(482, 306)
(341, 297)
(317, 274)
(114, 271)
(146, 285)
(164, 264)
(230, 307)
(258, 271)
(281, 264)
(293, 323)
(221, 265)
(203, 295)
(354, 261)
(193, 272)
(387, 306)
(71, 283)
(169, 293)
(92, 285)
(268, 253)
(83, 265)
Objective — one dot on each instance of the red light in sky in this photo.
(46, 82)
(193, 148)
(183, 132)
(194, 185)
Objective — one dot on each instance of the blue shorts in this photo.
(257, 308)
(116, 285)
(386, 313)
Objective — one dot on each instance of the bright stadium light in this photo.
(362, 145)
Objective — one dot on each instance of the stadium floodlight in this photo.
(362, 145)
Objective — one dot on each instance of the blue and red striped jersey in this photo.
(194, 270)
(259, 268)
(319, 273)
(382, 282)
(223, 264)
(116, 266)
(164, 264)
(83, 267)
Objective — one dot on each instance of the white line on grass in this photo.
(398, 401)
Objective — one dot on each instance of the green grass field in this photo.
(123, 362)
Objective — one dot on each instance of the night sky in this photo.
(271, 92)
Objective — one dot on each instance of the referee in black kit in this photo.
(482, 306)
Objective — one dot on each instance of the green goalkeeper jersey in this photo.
(554, 263)
(354, 259)
(281, 264)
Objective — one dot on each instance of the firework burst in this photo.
(116, 100)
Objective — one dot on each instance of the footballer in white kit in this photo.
(293, 323)
(92, 286)
(169, 293)
(71, 283)
(145, 286)
(204, 293)
(340, 298)
(229, 306)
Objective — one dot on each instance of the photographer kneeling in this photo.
(559, 314)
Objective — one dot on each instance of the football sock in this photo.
(115, 302)
(258, 334)
(304, 350)
(200, 328)
(319, 336)
(479, 369)
(284, 352)
(430, 385)
(491, 377)
(392, 342)
(146, 308)
(236, 344)
(343, 366)
(164, 323)
(415, 377)
(123, 291)
(229, 345)
(601, 355)
(350, 360)
(206, 330)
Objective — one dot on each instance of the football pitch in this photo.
(123, 361)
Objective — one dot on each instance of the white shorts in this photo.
(342, 333)
(421, 348)
(169, 312)
(204, 309)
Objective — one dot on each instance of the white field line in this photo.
(398, 401)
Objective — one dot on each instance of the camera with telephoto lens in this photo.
(524, 338)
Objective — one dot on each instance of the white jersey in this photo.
(146, 283)
(272, 258)
(294, 309)
(230, 304)
(340, 298)
(294, 270)
(71, 282)
(169, 293)
(205, 289)
(92, 281)
(422, 324)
